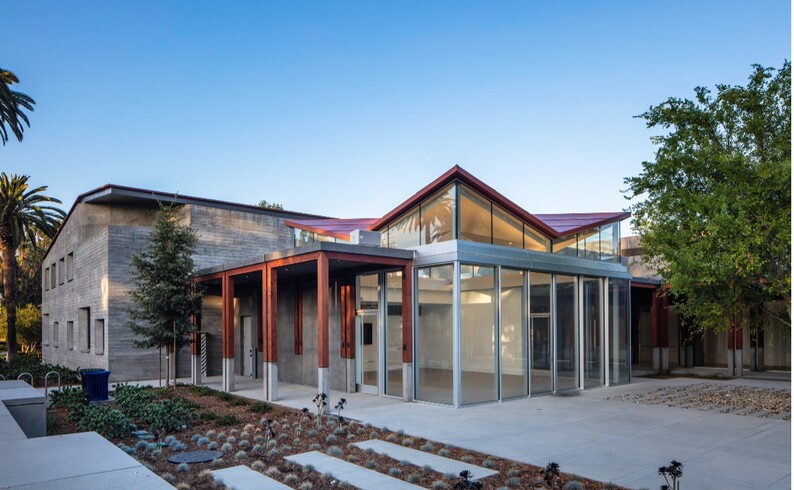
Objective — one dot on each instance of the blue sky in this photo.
(347, 108)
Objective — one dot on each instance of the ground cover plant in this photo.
(31, 363)
(260, 435)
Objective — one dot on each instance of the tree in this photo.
(164, 297)
(28, 326)
(23, 218)
(12, 104)
(715, 213)
(29, 269)
(270, 205)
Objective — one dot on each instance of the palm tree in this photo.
(11, 105)
(22, 218)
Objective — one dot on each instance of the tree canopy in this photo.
(163, 297)
(715, 210)
(25, 216)
(13, 105)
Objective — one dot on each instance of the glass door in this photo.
(367, 334)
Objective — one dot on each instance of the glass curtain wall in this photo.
(368, 326)
(438, 217)
(434, 341)
(592, 322)
(567, 340)
(394, 334)
(475, 217)
(619, 367)
(513, 333)
(540, 333)
(478, 359)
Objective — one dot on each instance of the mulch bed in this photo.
(297, 432)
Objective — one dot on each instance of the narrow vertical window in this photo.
(99, 337)
(62, 270)
(45, 320)
(53, 279)
(84, 328)
(70, 335)
(70, 266)
(55, 334)
(46, 278)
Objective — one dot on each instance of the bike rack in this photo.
(2, 377)
(28, 375)
(46, 387)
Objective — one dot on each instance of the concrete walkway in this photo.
(608, 440)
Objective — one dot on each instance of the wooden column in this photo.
(270, 297)
(408, 317)
(227, 316)
(347, 316)
(322, 311)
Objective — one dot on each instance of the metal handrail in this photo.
(26, 374)
(46, 387)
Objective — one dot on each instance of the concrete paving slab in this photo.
(244, 478)
(420, 458)
(69, 456)
(137, 478)
(349, 472)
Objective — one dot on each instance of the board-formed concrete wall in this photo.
(102, 239)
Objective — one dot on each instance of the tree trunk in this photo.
(10, 298)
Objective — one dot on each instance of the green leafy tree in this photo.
(715, 210)
(270, 205)
(28, 327)
(164, 297)
(25, 215)
(12, 107)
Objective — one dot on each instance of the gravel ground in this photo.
(738, 400)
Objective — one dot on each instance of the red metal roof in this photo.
(335, 227)
(570, 223)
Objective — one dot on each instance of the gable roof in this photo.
(551, 225)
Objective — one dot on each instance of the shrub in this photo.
(69, 396)
(291, 479)
(133, 400)
(107, 421)
(273, 453)
(513, 472)
(488, 463)
(467, 459)
(244, 443)
(182, 468)
(573, 485)
(212, 446)
(394, 471)
(307, 485)
(428, 446)
(260, 407)
(440, 485)
(352, 458)
(231, 440)
(226, 420)
(31, 363)
(335, 451)
(227, 448)
(331, 439)
(272, 472)
(443, 452)
(514, 482)
(167, 416)
(240, 455)
(407, 441)
(413, 478)
(371, 463)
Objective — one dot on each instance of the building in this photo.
(457, 296)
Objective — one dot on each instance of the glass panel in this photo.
(514, 352)
(506, 229)
(438, 217)
(619, 368)
(478, 359)
(434, 334)
(367, 315)
(384, 238)
(593, 332)
(565, 246)
(605, 244)
(405, 233)
(303, 237)
(99, 337)
(540, 331)
(475, 217)
(534, 240)
(589, 244)
(567, 334)
(394, 333)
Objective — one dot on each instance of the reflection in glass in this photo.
(534, 240)
(405, 232)
(507, 230)
(610, 242)
(394, 333)
(368, 327)
(619, 369)
(475, 217)
(478, 361)
(593, 332)
(514, 355)
(438, 216)
(567, 334)
(434, 334)
(565, 246)
(540, 331)
(589, 244)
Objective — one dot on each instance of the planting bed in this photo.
(238, 427)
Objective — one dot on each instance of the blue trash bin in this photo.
(95, 382)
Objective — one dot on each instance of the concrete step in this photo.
(348, 472)
(421, 458)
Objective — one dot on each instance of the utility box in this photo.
(95, 382)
